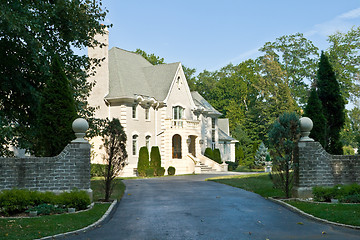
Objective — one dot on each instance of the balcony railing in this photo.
(181, 123)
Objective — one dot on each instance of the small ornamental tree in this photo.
(283, 137)
(143, 162)
(260, 155)
(315, 112)
(57, 112)
(114, 139)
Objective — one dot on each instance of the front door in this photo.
(176, 146)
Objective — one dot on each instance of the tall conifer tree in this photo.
(314, 110)
(333, 105)
(57, 112)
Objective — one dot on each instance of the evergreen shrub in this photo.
(171, 170)
(155, 158)
(209, 153)
(143, 162)
(232, 165)
(74, 199)
(217, 155)
(150, 172)
(159, 171)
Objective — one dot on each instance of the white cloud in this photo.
(340, 23)
(355, 13)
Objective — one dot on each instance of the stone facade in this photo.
(316, 167)
(69, 170)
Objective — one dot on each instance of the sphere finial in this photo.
(80, 126)
(306, 124)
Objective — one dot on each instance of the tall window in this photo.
(212, 123)
(134, 144)
(176, 146)
(134, 112)
(147, 142)
(213, 144)
(147, 113)
(178, 112)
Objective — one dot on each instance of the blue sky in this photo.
(210, 34)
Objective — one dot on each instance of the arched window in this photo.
(176, 146)
(147, 142)
(134, 144)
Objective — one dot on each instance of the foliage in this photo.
(57, 112)
(314, 111)
(171, 171)
(231, 165)
(297, 57)
(18, 200)
(345, 193)
(114, 143)
(159, 171)
(149, 172)
(345, 59)
(283, 137)
(155, 158)
(143, 162)
(35, 32)
(350, 135)
(333, 105)
(348, 150)
(39, 227)
(97, 170)
(47, 209)
(152, 58)
(217, 155)
(209, 153)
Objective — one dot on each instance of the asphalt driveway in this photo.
(187, 207)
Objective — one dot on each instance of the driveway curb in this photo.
(105, 217)
(298, 211)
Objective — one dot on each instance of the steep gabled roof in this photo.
(200, 102)
(130, 74)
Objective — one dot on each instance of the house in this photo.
(156, 108)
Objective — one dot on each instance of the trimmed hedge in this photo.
(345, 193)
(217, 156)
(18, 200)
(155, 158)
(209, 153)
(232, 165)
(150, 172)
(159, 171)
(171, 171)
(143, 162)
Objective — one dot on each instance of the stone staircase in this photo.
(206, 168)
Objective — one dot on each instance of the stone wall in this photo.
(69, 170)
(316, 167)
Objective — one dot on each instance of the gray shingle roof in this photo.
(200, 102)
(130, 74)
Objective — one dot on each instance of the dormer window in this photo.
(178, 112)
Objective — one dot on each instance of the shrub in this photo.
(232, 165)
(171, 170)
(355, 198)
(217, 155)
(97, 170)
(14, 201)
(150, 172)
(74, 199)
(209, 153)
(159, 171)
(143, 162)
(155, 158)
(323, 194)
(345, 193)
(47, 209)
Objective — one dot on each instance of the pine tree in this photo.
(333, 105)
(314, 111)
(57, 112)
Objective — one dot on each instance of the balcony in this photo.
(182, 123)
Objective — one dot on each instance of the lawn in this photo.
(30, 228)
(259, 183)
(262, 185)
(340, 213)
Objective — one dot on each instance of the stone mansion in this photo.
(156, 108)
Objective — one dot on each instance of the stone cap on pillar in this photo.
(80, 126)
(306, 124)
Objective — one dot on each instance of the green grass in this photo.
(247, 169)
(340, 213)
(30, 228)
(97, 185)
(258, 183)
